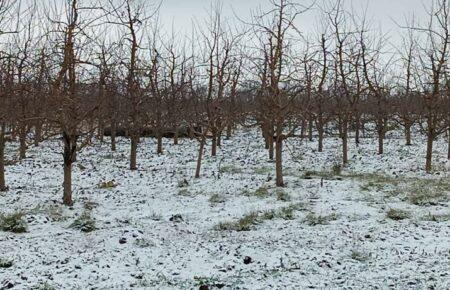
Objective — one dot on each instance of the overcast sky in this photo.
(180, 13)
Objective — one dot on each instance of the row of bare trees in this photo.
(81, 69)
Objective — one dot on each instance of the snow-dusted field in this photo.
(161, 229)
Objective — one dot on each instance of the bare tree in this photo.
(131, 16)
(276, 90)
(375, 75)
(6, 86)
(69, 108)
(221, 71)
(24, 42)
(407, 102)
(219, 48)
(321, 99)
(434, 61)
(7, 10)
(348, 82)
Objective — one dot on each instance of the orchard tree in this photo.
(70, 108)
(131, 17)
(275, 30)
(8, 26)
(434, 65)
(347, 87)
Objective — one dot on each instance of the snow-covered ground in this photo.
(159, 228)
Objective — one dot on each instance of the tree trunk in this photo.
(160, 143)
(265, 133)
(200, 156)
(191, 132)
(381, 142)
(408, 133)
(321, 132)
(380, 126)
(267, 145)
(22, 141)
(429, 156)
(14, 133)
(101, 131)
(271, 149)
(214, 145)
(67, 197)
(175, 136)
(448, 146)
(310, 129)
(219, 139)
(89, 137)
(279, 161)
(113, 136)
(70, 148)
(38, 134)
(229, 131)
(2, 159)
(302, 131)
(133, 152)
(357, 129)
(344, 136)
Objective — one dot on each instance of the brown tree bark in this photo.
(266, 141)
(303, 129)
(37, 133)
(310, 129)
(357, 129)
(70, 147)
(320, 131)
(191, 132)
(448, 146)
(113, 136)
(429, 154)
(344, 137)
(229, 131)
(271, 147)
(408, 134)
(381, 134)
(22, 142)
(219, 139)
(279, 161)
(214, 146)
(133, 152)
(214, 133)
(2, 159)
(175, 136)
(101, 131)
(67, 196)
(200, 156)
(381, 143)
(265, 133)
(160, 143)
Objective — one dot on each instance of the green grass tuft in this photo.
(84, 222)
(250, 220)
(312, 219)
(397, 214)
(13, 222)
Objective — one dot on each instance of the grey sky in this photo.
(381, 12)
